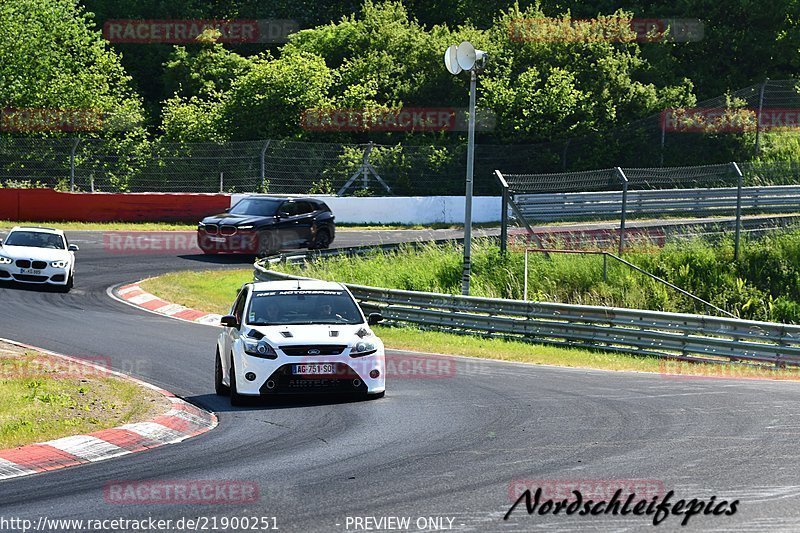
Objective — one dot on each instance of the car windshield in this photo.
(256, 207)
(288, 307)
(35, 239)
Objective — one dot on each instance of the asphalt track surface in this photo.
(443, 447)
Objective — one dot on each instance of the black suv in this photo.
(265, 225)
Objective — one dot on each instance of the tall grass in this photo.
(763, 285)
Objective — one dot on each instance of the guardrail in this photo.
(665, 202)
(670, 335)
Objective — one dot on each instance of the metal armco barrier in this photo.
(699, 202)
(639, 332)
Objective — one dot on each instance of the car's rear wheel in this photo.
(322, 240)
(236, 398)
(220, 388)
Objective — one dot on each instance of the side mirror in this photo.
(374, 318)
(73, 248)
(229, 321)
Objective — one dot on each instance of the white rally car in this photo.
(309, 336)
(38, 255)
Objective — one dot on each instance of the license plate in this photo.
(30, 271)
(313, 369)
(216, 239)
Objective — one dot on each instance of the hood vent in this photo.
(333, 333)
(255, 334)
(287, 334)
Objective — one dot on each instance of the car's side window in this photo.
(288, 209)
(306, 208)
(238, 306)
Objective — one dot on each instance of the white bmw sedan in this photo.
(38, 255)
(298, 337)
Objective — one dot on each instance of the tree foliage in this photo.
(52, 58)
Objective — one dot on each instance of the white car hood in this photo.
(313, 334)
(31, 252)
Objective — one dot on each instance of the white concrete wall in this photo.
(407, 209)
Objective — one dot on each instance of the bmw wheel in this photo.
(322, 240)
(267, 243)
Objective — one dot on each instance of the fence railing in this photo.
(640, 332)
(621, 193)
(666, 202)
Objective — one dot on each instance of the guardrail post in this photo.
(72, 165)
(221, 189)
(525, 289)
(758, 116)
(503, 212)
(605, 266)
(624, 179)
(263, 165)
(740, 179)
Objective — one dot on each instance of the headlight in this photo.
(245, 227)
(5, 260)
(201, 225)
(363, 348)
(260, 349)
(59, 264)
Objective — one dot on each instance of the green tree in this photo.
(52, 57)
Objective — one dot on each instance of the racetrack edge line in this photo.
(182, 421)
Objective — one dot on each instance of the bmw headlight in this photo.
(259, 349)
(5, 260)
(59, 264)
(363, 348)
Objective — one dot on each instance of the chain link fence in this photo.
(749, 116)
(274, 166)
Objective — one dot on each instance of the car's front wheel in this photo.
(322, 240)
(220, 388)
(267, 243)
(236, 398)
(69, 285)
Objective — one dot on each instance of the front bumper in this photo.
(46, 276)
(274, 376)
(242, 242)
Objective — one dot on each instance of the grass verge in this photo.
(214, 291)
(45, 398)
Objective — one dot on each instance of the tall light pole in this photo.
(456, 59)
